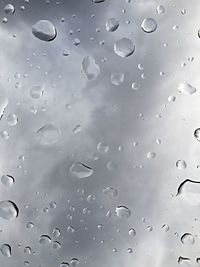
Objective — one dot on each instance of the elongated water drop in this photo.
(6, 250)
(122, 212)
(80, 170)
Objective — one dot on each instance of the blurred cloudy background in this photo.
(131, 139)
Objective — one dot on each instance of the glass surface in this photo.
(99, 133)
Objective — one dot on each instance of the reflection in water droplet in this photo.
(9, 9)
(122, 212)
(181, 164)
(149, 25)
(6, 250)
(48, 134)
(117, 78)
(81, 170)
(7, 180)
(197, 134)
(124, 47)
(187, 89)
(45, 240)
(89, 67)
(8, 210)
(36, 91)
(187, 239)
(44, 30)
(112, 24)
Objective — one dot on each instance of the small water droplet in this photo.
(81, 170)
(45, 240)
(181, 164)
(117, 78)
(36, 91)
(187, 239)
(12, 120)
(132, 232)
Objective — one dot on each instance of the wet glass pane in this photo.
(99, 133)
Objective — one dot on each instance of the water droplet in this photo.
(110, 191)
(187, 239)
(74, 262)
(117, 78)
(29, 225)
(132, 232)
(187, 89)
(90, 69)
(7, 180)
(160, 9)
(64, 264)
(124, 47)
(122, 212)
(8, 210)
(171, 99)
(56, 233)
(44, 30)
(48, 134)
(77, 129)
(3, 105)
(102, 147)
(130, 250)
(45, 240)
(183, 260)
(81, 170)
(70, 229)
(36, 91)
(165, 227)
(98, 1)
(151, 155)
(12, 120)
(197, 134)
(56, 245)
(181, 164)
(149, 228)
(91, 198)
(6, 250)
(149, 25)
(112, 24)
(190, 191)
(9, 9)
(135, 86)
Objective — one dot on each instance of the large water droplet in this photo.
(7, 180)
(98, 1)
(112, 24)
(187, 89)
(149, 25)
(90, 68)
(81, 170)
(36, 91)
(122, 212)
(9, 9)
(48, 134)
(8, 210)
(189, 191)
(44, 30)
(187, 239)
(124, 47)
(6, 250)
